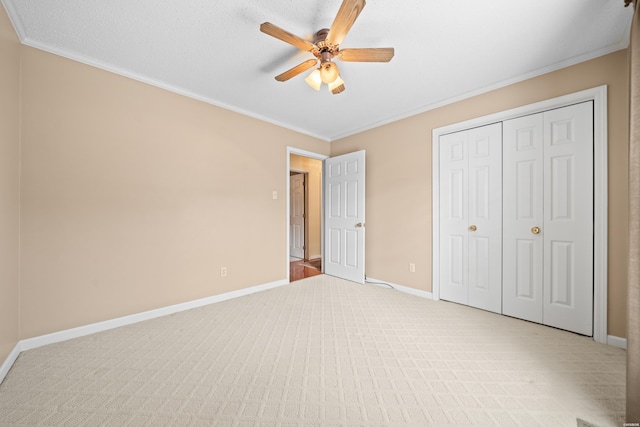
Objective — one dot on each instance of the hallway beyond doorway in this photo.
(301, 269)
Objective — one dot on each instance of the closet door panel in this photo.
(568, 231)
(485, 217)
(523, 210)
(454, 217)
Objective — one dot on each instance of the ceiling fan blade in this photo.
(300, 68)
(347, 15)
(285, 36)
(376, 54)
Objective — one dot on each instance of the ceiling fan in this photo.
(326, 46)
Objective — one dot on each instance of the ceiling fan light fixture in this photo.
(329, 72)
(314, 80)
(335, 84)
(338, 89)
(326, 46)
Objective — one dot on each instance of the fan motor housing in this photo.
(321, 35)
(325, 50)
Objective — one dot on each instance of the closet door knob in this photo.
(473, 228)
(535, 230)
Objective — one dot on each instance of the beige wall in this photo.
(314, 196)
(399, 175)
(134, 197)
(9, 185)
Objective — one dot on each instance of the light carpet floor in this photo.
(320, 352)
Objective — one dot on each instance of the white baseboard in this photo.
(9, 361)
(416, 292)
(612, 340)
(35, 342)
(314, 257)
(93, 328)
(405, 289)
(617, 341)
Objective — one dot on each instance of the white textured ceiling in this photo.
(213, 50)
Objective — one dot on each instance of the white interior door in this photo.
(523, 167)
(471, 217)
(344, 180)
(296, 215)
(548, 218)
(568, 218)
(454, 217)
(485, 217)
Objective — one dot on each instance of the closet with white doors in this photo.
(516, 217)
(471, 217)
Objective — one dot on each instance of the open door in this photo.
(297, 198)
(344, 225)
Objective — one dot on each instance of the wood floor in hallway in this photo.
(301, 269)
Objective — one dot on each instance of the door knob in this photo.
(473, 228)
(359, 225)
(535, 230)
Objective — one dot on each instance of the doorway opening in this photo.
(305, 237)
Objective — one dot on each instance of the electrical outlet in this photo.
(275, 195)
(223, 271)
(412, 267)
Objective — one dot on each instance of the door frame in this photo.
(600, 196)
(311, 155)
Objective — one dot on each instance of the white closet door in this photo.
(568, 222)
(523, 209)
(485, 217)
(454, 218)
(470, 217)
(548, 218)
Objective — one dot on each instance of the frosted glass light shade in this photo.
(314, 80)
(337, 82)
(329, 72)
